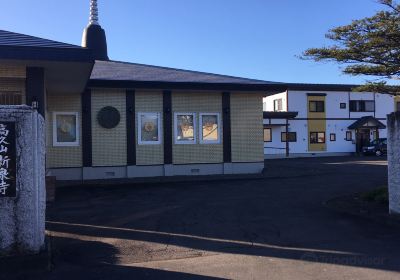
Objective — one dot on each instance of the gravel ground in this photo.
(277, 227)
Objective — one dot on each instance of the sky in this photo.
(259, 39)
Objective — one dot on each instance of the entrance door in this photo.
(363, 138)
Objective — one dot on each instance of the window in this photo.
(369, 106)
(362, 105)
(185, 128)
(267, 135)
(398, 106)
(210, 129)
(10, 98)
(332, 137)
(149, 128)
(342, 105)
(349, 136)
(374, 134)
(317, 137)
(65, 129)
(292, 137)
(278, 105)
(317, 106)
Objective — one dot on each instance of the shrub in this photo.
(379, 195)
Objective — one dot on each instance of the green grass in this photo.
(379, 195)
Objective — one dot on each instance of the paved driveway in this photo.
(271, 228)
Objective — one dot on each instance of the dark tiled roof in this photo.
(367, 122)
(24, 47)
(8, 38)
(320, 87)
(123, 71)
(279, 115)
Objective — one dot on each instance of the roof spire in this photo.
(94, 13)
(94, 37)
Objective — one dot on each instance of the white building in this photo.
(323, 120)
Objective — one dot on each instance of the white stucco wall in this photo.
(333, 100)
(268, 102)
(384, 105)
(337, 120)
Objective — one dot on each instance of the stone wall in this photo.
(393, 127)
(22, 218)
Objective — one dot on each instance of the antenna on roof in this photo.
(94, 13)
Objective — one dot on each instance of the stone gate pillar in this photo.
(22, 180)
(393, 127)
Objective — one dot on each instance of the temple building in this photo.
(108, 119)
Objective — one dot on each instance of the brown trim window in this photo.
(332, 137)
(317, 137)
(362, 106)
(267, 135)
(278, 105)
(292, 137)
(349, 136)
(317, 106)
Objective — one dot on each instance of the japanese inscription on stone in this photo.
(7, 160)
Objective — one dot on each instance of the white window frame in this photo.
(201, 128)
(140, 142)
(66, 144)
(185, 142)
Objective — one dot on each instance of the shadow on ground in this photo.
(91, 260)
(107, 230)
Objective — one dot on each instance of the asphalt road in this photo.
(272, 228)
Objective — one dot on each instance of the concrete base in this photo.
(168, 170)
(145, 171)
(95, 173)
(228, 168)
(197, 169)
(121, 172)
(74, 174)
(247, 168)
(303, 155)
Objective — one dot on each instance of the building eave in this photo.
(270, 88)
(279, 115)
(46, 54)
(320, 87)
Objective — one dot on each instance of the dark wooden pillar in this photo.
(226, 119)
(35, 88)
(287, 138)
(357, 138)
(130, 127)
(86, 99)
(167, 111)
